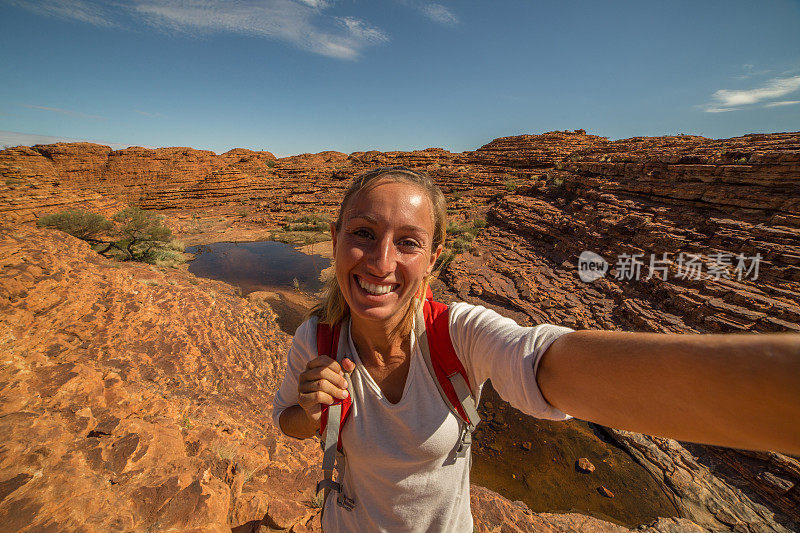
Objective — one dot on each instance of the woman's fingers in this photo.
(324, 386)
(326, 368)
(327, 374)
(312, 401)
(322, 382)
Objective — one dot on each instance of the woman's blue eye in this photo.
(362, 233)
(409, 242)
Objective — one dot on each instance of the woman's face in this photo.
(383, 250)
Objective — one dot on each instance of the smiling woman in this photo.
(406, 373)
(388, 246)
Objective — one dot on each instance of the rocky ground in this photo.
(138, 398)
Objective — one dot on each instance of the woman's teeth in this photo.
(373, 289)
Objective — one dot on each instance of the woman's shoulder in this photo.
(473, 321)
(463, 314)
(305, 337)
(307, 328)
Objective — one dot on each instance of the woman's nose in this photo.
(384, 257)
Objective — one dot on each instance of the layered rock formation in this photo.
(144, 394)
(685, 195)
(135, 398)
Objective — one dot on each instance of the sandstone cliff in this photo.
(134, 390)
(135, 398)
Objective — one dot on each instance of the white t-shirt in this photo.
(402, 470)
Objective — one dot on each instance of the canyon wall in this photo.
(87, 398)
(710, 200)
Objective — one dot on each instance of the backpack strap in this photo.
(328, 344)
(333, 416)
(433, 335)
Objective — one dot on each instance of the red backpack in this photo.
(433, 333)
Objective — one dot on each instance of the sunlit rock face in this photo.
(711, 200)
(136, 398)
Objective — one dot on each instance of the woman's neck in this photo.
(379, 344)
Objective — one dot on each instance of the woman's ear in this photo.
(434, 256)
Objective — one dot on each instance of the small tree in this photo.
(81, 224)
(140, 231)
(138, 234)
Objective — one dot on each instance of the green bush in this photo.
(460, 237)
(131, 234)
(461, 244)
(311, 223)
(81, 224)
(471, 230)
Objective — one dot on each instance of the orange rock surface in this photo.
(136, 397)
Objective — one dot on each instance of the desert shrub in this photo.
(140, 232)
(317, 501)
(510, 185)
(461, 243)
(459, 237)
(163, 256)
(308, 223)
(299, 237)
(78, 223)
(471, 230)
(131, 234)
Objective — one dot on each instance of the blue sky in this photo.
(294, 76)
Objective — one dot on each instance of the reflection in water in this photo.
(254, 266)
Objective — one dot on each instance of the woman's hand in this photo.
(322, 382)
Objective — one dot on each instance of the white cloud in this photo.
(712, 109)
(91, 13)
(319, 4)
(439, 13)
(360, 30)
(750, 72)
(732, 100)
(782, 103)
(276, 19)
(68, 112)
(302, 23)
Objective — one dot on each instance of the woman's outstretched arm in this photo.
(741, 391)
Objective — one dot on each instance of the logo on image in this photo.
(591, 266)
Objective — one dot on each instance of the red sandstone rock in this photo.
(90, 403)
(605, 492)
(134, 397)
(584, 465)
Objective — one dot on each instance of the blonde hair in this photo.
(334, 307)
